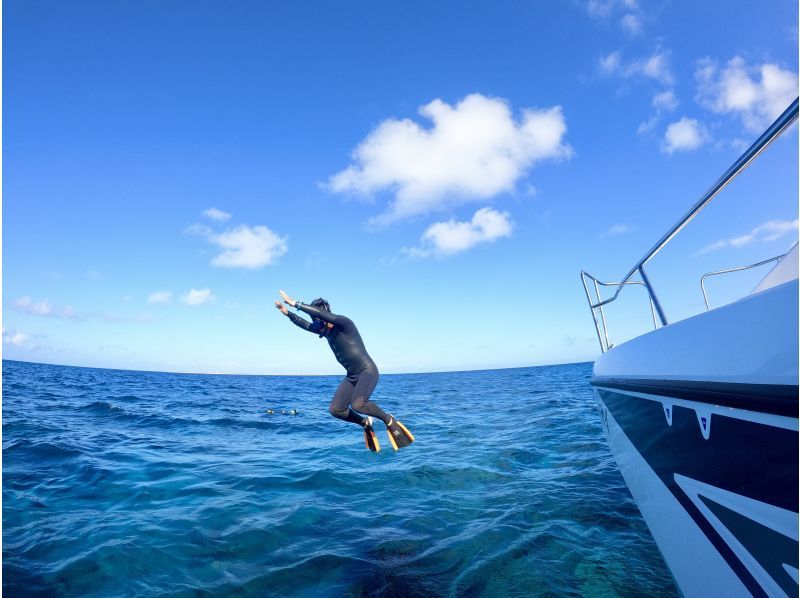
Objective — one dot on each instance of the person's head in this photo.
(319, 326)
(321, 304)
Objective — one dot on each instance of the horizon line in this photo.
(89, 367)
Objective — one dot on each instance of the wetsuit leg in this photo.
(367, 380)
(340, 405)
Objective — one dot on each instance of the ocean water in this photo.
(123, 483)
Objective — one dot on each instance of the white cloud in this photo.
(683, 135)
(603, 9)
(248, 247)
(756, 94)
(771, 230)
(198, 297)
(474, 150)
(599, 9)
(648, 125)
(665, 100)
(14, 338)
(216, 214)
(610, 64)
(160, 297)
(200, 230)
(656, 66)
(243, 246)
(43, 308)
(632, 24)
(451, 237)
(617, 229)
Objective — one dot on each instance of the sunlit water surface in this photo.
(122, 483)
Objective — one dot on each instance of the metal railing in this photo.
(767, 137)
(597, 284)
(777, 258)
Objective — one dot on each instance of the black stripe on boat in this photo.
(778, 399)
(750, 459)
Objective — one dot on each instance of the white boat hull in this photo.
(702, 419)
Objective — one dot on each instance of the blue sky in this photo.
(440, 172)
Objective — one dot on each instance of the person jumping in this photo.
(351, 399)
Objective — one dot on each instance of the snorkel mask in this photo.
(320, 326)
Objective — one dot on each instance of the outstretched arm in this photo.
(325, 316)
(296, 320)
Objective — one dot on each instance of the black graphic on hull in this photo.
(750, 459)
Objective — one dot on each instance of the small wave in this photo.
(125, 397)
(40, 451)
(101, 408)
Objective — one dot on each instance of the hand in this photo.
(281, 307)
(288, 299)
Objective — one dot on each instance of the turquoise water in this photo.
(121, 483)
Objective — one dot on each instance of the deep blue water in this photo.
(122, 483)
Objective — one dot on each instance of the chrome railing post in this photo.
(602, 314)
(703, 288)
(661, 315)
(591, 309)
(777, 258)
(653, 313)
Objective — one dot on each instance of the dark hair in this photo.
(321, 304)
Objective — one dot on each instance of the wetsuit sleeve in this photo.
(318, 313)
(301, 322)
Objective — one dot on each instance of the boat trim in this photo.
(778, 399)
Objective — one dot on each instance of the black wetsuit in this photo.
(362, 373)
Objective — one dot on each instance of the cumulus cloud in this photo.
(474, 150)
(451, 237)
(14, 338)
(756, 94)
(216, 214)
(248, 247)
(684, 135)
(656, 66)
(198, 297)
(160, 297)
(772, 230)
(44, 308)
(243, 246)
